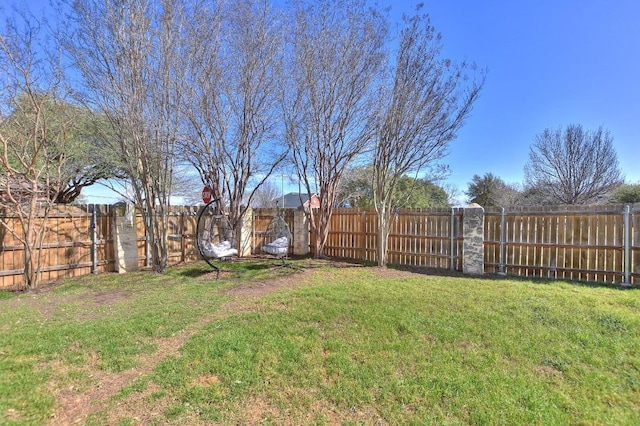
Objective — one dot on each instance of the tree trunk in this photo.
(384, 223)
(29, 274)
(381, 246)
(322, 233)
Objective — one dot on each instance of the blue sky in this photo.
(550, 63)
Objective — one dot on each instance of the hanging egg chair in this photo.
(215, 238)
(277, 237)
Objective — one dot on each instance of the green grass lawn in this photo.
(319, 345)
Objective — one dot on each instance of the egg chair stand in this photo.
(215, 238)
(277, 238)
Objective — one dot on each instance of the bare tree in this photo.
(130, 57)
(337, 51)
(233, 116)
(453, 193)
(422, 105)
(34, 131)
(206, 117)
(573, 166)
(264, 196)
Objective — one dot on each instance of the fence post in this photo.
(253, 232)
(94, 240)
(147, 240)
(183, 236)
(502, 220)
(125, 238)
(473, 242)
(245, 234)
(627, 245)
(301, 233)
(452, 261)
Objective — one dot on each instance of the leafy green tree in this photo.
(89, 157)
(419, 193)
(489, 190)
(72, 133)
(627, 194)
(355, 190)
(535, 196)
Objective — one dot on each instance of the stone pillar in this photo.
(300, 233)
(473, 243)
(245, 233)
(125, 238)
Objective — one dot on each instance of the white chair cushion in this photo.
(222, 249)
(282, 242)
(278, 247)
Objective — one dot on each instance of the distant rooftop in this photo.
(292, 200)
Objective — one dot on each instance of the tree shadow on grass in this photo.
(228, 268)
(194, 272)
(257, 266)
(490, 276)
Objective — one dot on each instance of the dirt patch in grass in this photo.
(392, 273)
(48, 304)
(262, 288)
(75, 405)
(546, 371)
(260, 410)
(469, 346)
(207, 380)
(95, 299)
(109, 297)
(12, 415)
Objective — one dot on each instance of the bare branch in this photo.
(233, 125)
(34, 133)
(130, 56)
(422, 104)
(336, 55)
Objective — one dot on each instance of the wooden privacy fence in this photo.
(598, 243)
(418, 237)
(590, 243)
(81, 240)
(87, 239)
(78, 241)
